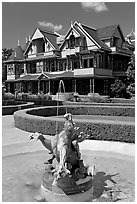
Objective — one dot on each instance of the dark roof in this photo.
(52, 37)
(106, 32)
(17, 54)
(131, 36)
(25, 46)
(93, 33)
(45, 75)
(28, 77)
(65, 74)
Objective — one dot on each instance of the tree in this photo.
(118, 89)
(6, 53)
(131, 76)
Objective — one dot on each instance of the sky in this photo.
(20, 19)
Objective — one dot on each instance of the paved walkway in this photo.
(16, 141)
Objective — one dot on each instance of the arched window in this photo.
(72, 41)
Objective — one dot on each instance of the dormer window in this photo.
(10, 69)
(72, 41)
(115, 41)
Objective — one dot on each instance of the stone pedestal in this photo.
(66, 189)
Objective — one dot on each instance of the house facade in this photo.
(88, 60)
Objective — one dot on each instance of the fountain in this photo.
(66, 178)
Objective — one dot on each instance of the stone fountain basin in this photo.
(23, 167)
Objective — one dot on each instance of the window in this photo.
(43, 47)
(72, 41)
(39, 67)
(22, 68)
(10, 69)
(64, 66)
(90, 62)
(100, 61)
(33, 68)
(77, 42)
(48, 66)
(48, 47)
(115, 41)
(52, 66)
(85, 63)
(84, 43)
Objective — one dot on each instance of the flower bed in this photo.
(31, 120)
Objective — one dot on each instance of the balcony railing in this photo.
(121, 50)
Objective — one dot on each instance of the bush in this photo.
(98, 130)
(118, 89)
(8, 96)
(100, 99)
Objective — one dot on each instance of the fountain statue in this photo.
(65, 169)
(68, 172)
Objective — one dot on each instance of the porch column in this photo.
(93, 85)
(75, 86)
(8, 87)
(104, 86)
(80, 61)
(55, 65)
(58, 65)
(49, 86)
(67, 67)
(71, 64)
(38, 86)
(25, 69)
(20, 87)
(43, 86)
(90, 88)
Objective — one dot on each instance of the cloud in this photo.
(50, 25)
(96, 6)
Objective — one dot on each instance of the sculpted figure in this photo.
(64, 147)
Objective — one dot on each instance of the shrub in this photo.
(118, 89)
(7, 96)
(100, 99)
(98, 130)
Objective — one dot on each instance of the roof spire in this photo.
(18, 43)
(26, 39)
(71, 23)
(29, 37)
(15, 54)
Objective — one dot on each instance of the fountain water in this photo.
(67, 177)
(59, 92)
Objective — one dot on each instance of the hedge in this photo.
(90, 110)
(9, 110)
(96, 130)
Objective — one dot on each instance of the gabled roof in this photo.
(45, 76)
(89, 31)
(108, 31)
(28, 77)
(17, 54)
(52, 37)
(93, 33)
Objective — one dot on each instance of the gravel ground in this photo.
(23, 166)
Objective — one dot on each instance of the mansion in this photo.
(88, 60)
